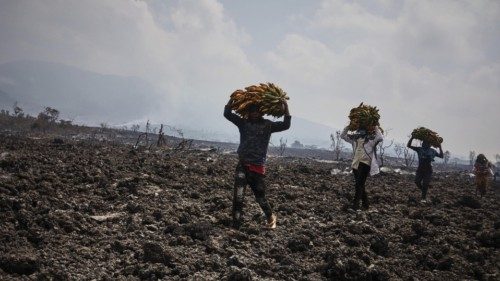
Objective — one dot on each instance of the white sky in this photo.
(429, 63)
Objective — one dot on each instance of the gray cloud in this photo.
(432, 63)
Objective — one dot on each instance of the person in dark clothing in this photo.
(426, 155)
(255, 133)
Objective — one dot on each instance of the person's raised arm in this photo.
(379, 137)
(344, 135)
(282, 125)
(235, 119)
(441, 154)
(409, 144)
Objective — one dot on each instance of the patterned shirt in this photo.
(482, 169)
(425, 157)
(255, 136)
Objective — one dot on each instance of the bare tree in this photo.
(49, 115)
(446, 157)
(472, 157)
(383, 147)
(135, 127)
(104, 126)
(184, 143)
(18, 111)
(52, 113)
(398, 149)
(180, 132)
(148, 130)
(297, 144)
(161, 137)
(337, 144)
(282, 146)
(409, 156)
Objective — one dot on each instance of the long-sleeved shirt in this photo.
(360, 155)
(425, 157)
(255, 136)
(369, 148)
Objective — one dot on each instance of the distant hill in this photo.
(85, 95)
(93, 98)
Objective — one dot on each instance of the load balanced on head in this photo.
(269, 98)
(255, 132)
(427, 135)
(364, 117)
(426, 155)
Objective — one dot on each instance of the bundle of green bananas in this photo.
(267, 96)
(428, 135)
(364, 117)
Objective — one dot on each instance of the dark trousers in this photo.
(244, 177)
(360, 176)
(423, 179)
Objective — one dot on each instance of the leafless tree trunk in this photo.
(447, 156)
(398, 149)
(383, 147)
(184, 143)
(472, 157)
(18, 111)
(135, 128)
(139, 139)
(161, 139)
(337, 144)
(282, 146)
(148, 129)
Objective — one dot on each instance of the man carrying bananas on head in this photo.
(255, 133)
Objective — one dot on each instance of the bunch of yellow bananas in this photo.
(364, 117)
(428, 135)
(268, 97)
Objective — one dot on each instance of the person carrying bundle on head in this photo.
(426, 155)
(255, 133)
(482, 171)
(365, 137)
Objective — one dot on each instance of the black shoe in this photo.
(355, 205)
(237, 224)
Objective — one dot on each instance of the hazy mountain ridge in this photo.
(86, 95)
(94, 98)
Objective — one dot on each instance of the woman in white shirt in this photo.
(364, 161)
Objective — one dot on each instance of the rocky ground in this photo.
(84, 211)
